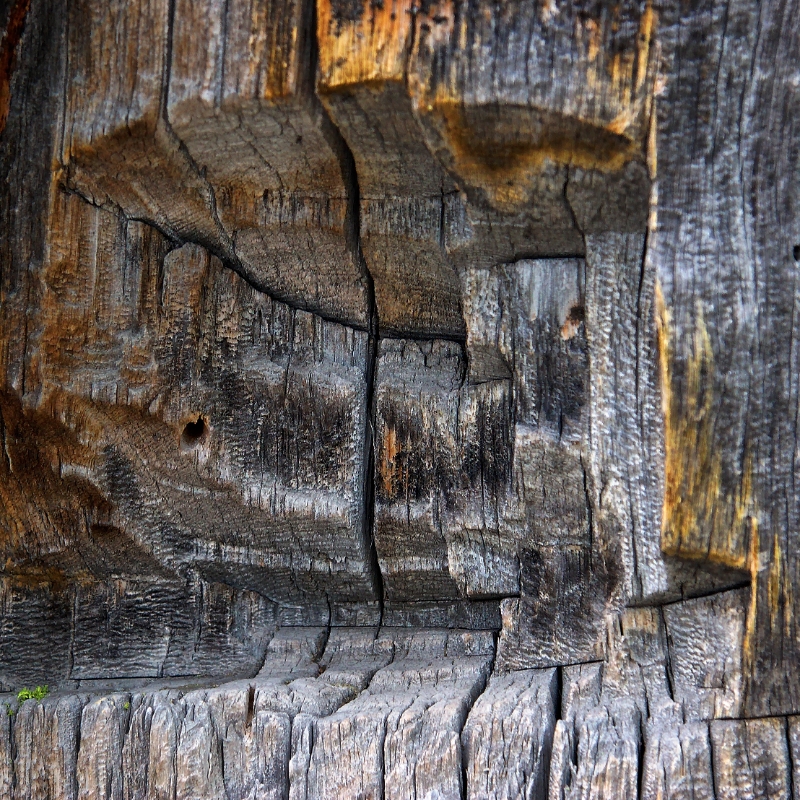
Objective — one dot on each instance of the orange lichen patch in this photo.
(647, 28)
(387, 464)
(274, 53)
(775, 580)
(624, 81)
(652, 144)
(753, 565)
(501, 150)
(370, 46)
(701, 519)
(8, 54)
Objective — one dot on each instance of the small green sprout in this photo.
(126, 705)
(38, 694)
(9, 710)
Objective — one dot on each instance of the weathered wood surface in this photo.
(726, 257)
(427, 373)
(400, 713)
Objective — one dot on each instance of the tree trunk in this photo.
(400, 400)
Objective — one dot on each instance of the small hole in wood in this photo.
(577, 314)
(796, 252)
(193, 433)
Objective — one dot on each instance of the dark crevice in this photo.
(251, 703)
(62, 126)
(11, 715)
(471, 700)
(790, 757)
(573, 664)
(223, 54)
(417, 336)
(559, 711)
(163, 100)
(638, 330)
(72, 621)
(785, 715)
(667, 656)
(369, 461)
(570, 209)
(75, 787)
(712, 771)
(589, 508)
(353, 232)
(381, 762)
(4, 454)
(329, 623)
(696, 596)
(178, 240)
(640, 757)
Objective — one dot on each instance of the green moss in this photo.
(38, 694)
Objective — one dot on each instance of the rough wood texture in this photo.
(508, 735)
(427, 373)
(726, 265)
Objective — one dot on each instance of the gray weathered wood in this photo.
(751, 759)
(508, 735)
(369, 370)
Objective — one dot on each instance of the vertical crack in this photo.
(226, 253)
(667, 655)
(713, 772)
(373, 323)
(558, 710)
(640, 757)
(11, 715)
(789, 756)
(353, 232)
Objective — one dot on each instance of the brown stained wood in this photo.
(217, 142)
(113, 451)
(12, 33)
(264, 417)
(509, 164)
(28, 145)
(405, 194)
(116, 147)
(241, 100)
(537, 112)
(6, 756)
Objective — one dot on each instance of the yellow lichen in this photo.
(701, 518)
(371, 47)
